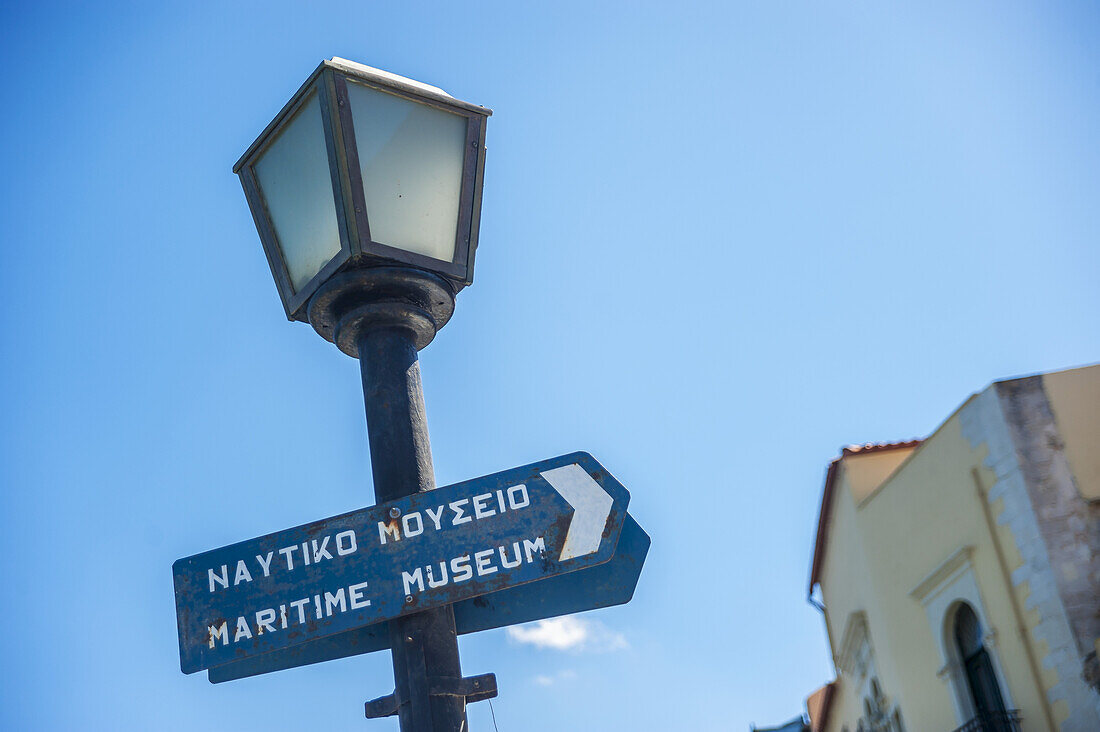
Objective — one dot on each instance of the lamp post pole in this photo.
(424, 645)
(384, 316)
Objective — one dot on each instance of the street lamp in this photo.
(364, 168)
(366, 192)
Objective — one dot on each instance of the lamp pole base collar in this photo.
(380, 297)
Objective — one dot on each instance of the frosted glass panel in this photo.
(294, 178)
(411, 158)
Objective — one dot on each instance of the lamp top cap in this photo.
(369, 75)
(400, 83)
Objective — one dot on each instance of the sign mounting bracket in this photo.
(471, 689)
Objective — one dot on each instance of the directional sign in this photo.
(605, 585)
(430, 549)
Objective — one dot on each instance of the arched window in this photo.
(985, 692)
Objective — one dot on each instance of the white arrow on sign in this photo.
(591, 507)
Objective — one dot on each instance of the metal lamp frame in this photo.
(357, 248)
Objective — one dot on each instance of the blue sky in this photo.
(719, 241)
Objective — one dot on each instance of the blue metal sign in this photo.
(368, 566)
(604, 585)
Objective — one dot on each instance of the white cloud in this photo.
(563, 675)
(559, 633)
(568, 634)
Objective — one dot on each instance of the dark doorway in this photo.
(985, 692)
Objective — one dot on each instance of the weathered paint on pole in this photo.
(424, 645)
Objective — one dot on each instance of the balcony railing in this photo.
(993, 722)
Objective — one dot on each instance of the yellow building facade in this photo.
(959, 575)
